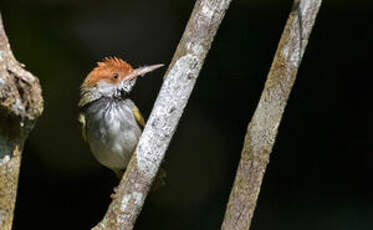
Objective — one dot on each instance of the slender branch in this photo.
(21, 104)
(168, 108)
(262, 130)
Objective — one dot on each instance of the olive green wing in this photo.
(138, 116)
(84, 126)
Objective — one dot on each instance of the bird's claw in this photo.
(115, 193)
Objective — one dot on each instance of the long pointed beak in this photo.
(141, 71)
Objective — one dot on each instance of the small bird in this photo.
(111, 122)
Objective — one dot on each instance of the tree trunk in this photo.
(21, 104)
(262, 130)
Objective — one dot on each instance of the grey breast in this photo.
(112, 131)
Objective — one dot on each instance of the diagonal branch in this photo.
(21, 104)
(262, 130)
(168, 108)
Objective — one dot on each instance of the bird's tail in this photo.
(159, 180)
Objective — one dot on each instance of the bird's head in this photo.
(112, 77)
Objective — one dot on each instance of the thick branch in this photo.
(20, 105)
(262, 129)
(168, 108)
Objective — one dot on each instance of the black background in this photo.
(319, 176)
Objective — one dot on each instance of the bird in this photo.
(111, 123)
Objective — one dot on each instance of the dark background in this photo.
(320, 173)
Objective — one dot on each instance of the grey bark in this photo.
(21, 104)
(168, 108)
(262, 129)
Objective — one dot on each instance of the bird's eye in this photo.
(115, 75)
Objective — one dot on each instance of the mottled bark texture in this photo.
(262, 129)
(21, 104)
(168, 108)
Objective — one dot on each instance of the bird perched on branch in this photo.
(111, 122)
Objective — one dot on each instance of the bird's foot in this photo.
(115, 193)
